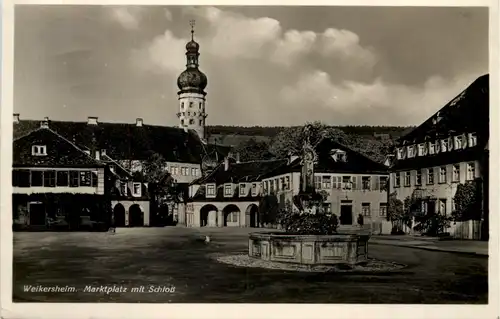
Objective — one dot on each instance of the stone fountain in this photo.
(315, 248)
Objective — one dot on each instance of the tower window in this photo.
(189, 113)
(200, 105)
(191, 121)
(190, 104)
(201, 122)
(182, 122)
(182, 105)
(194, 113)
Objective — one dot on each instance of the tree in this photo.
(467, 201)
(252, 149)
(395, 212)
(268, 209)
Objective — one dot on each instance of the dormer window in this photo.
(190, 104)
(411, 151)
(444, 145)
(254, 189)
(421, 149)
(432, 148)
(211, 190)
(338, 155)
(472, 139)
(401, 153)
(39, 150)
(458, 142)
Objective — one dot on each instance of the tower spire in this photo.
(192, 23)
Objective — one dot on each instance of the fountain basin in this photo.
(309, 249)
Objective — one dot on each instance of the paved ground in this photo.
(166, 257)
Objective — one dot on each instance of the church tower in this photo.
(192, 83)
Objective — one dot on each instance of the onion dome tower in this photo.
(192, 83)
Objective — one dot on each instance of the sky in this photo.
(268, 66)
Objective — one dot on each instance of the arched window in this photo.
(191, 121)
(200, 105)
(182, 105)
(201, 122)
(182, 122)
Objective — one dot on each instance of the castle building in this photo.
(448, 149)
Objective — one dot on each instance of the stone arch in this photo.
(135, 216)
(119, 215)
(208, 215)
(252, 215)
(231, 215)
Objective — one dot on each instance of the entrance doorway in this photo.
(119, 215)
(37, 214)
(346, 214)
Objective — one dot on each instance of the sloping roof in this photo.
(240, 172)
(467, 112)
(129, 141)
(356, 162)
(60, 151)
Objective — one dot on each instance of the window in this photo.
(39, 150)
(383, 182)
(189, 113)
(15, 178)
(123, 189)
(397, 179)
(444, 145)
(271, 186)
(182, 122)
(317, 182)
(85, 178)
(74, 179)
(418, 177)
(346, 183)
(228, 190)
(201, 122)
(199, 105)
(137, 189)
(456, 173)
(190, 104)
(472, 139)
(182, 105)
(337, 182)
(382, 212)
(287, 182)
(233, 217)
(366, 182)
(430, 176)
(442, 207)
(277, 184)
(458, 142)
(62, 178)
(354, 181)
(327, 182)
(471, 171)
(365, 209)
(254, 189)
(210, 190)
(400, 153)
(442, 175)
(407, 179)
(184, 171)
(282, 183)
(327, 208)
(421, 149)
(243, 189)
(191, 121)
(432, 148)
(411, 151)
(266, 186)
(95, 179)
(36, 178)
(23, 178)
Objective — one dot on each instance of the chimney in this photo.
(226, 163)
(44, 123)
(103, 152)
(16, 117)
(138, 122)
(97, 155)
(92, 120)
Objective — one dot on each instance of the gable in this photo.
(59, 151)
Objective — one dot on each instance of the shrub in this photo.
(308, 224)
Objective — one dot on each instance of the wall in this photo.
(193, 213)
(144, 205)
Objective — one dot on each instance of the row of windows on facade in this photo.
(331, 182)
(434, 147)
(191, 122)
(228, 189)
(136, 189)
(184, 171)
(191, 104)
(428, 174)
(39, 150)
(51, 178)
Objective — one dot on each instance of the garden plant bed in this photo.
(371, 265)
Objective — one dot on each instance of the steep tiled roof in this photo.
(241, 172)
(60, 151)
(356, 163)
(129, 141)
(467, 112)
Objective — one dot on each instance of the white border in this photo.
(47, 310)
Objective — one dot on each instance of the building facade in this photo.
(448, 149)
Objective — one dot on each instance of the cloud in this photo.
(374, 103)
(128, 17)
